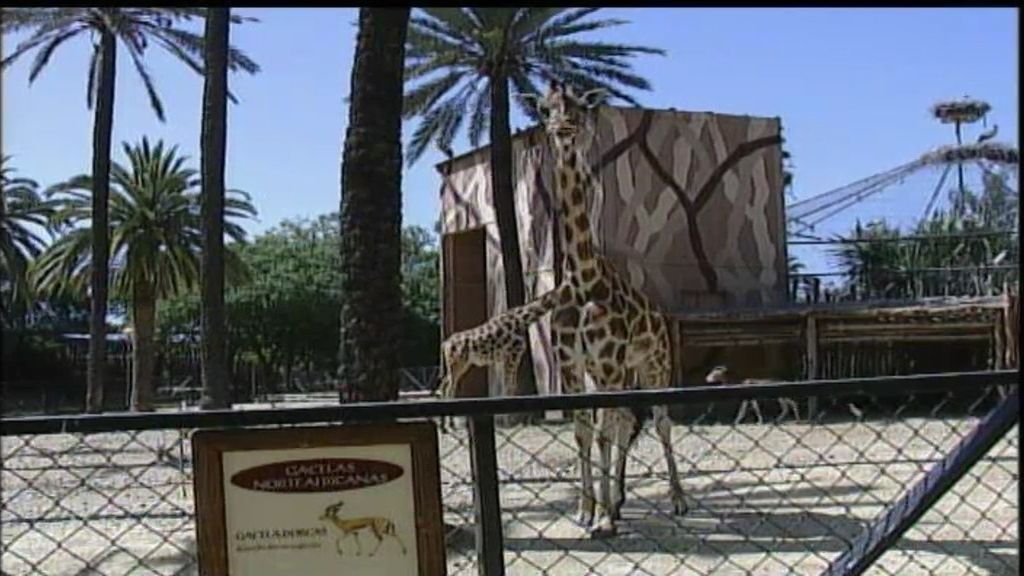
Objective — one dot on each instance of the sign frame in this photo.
(209, 446)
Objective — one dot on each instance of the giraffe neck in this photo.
(532, 311)
(574, 182)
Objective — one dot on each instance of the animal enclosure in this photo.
(100, 495)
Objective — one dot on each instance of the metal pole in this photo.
(490, 547)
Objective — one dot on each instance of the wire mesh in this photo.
(781, 496)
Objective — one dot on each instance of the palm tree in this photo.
(24, 214)
(371, 211)
(155, 225)
(135, 28)
(214, 147)
(462, 63)
(872, 262)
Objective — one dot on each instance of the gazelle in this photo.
(720, 375)
(380, 527)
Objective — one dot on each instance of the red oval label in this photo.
(317, 475)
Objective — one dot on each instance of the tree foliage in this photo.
(25, 216)
(285, 317)
(155, 240)
(958, 251)
(135, 29)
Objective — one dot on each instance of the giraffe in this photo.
(602, 324)
(501, 341)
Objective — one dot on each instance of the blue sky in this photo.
(852, 86)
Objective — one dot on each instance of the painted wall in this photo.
(689, 206)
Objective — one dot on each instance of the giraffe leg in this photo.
(663, 425)
(567, 349)
(456, 368)
(604, 525)
(583, 421)
(583, 433)
(626, 431)
(510, 370)
(658, 378)
(609, 422)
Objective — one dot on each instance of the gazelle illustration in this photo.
(380, 527)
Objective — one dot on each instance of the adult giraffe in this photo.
(603, 325)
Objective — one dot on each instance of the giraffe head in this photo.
(568, 118)
(717, 375)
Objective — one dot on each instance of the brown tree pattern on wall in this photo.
(689, 207)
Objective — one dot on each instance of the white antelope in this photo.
(720, 375)
(380, 527)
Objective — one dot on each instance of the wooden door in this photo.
(464, 262)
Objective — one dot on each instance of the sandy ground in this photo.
(764, 499)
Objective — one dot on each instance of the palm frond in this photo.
(154, 219)
(44, 54)
(147, 81)
(456, 20)
(427, 94)
(134, 27)
(436, 31)
(529, 20)
(479, 118)
(529, 43)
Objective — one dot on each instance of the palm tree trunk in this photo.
(143, 349)
(505, 213)
(103, 126)
(371, 211)
(214, 143)
(504, 191)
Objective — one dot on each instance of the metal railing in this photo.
(112, 493)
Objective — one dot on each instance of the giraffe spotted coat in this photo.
(499, 342)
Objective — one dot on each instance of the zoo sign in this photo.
(353, 499)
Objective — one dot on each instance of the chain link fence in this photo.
(783, 496)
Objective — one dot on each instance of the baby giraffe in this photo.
(720, 375)
(501, 342)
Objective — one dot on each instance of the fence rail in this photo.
(112, 493)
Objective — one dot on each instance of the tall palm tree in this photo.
(371, 211)
(214, 147)
(155, 241)
(461, 63)
(24, 215)
(135, 28)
